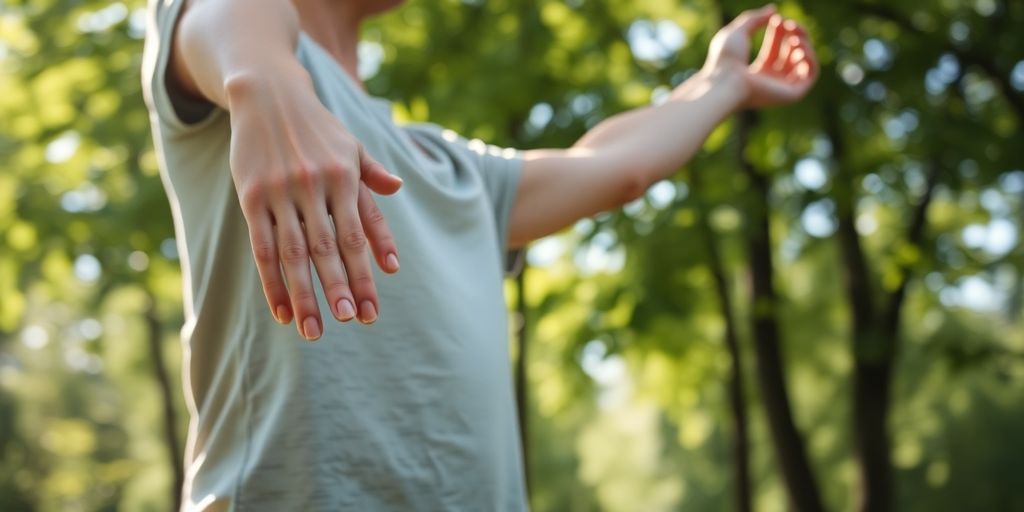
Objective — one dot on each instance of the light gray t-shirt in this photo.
(413, 413)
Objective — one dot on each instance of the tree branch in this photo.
(966, 56)
(857, 274)
(891, 316)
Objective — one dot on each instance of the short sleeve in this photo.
(173, 108)
(500, 170)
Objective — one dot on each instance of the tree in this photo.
(887, 207)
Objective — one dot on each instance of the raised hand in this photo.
(785, 68)
(304, 184)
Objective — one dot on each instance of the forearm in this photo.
(654, 142)
(620, 158)
(222, 44)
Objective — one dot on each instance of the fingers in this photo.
(810, 58)
(264, 249)
(294, 255)
(786, 45)
(801, 63)
(337, 249)
(750, 21)
(353, 244)
(799, 74)
(781, 64)
(375, 176)
(796, 57)
(323, 248)
(377, 232)
(794, 28)
(772, 42)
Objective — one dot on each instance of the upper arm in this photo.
(560, 186)
(178, 75)
(187, 99)
(170, 89)
(210, 42)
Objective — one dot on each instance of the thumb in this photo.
(749, 21)
(375, 176)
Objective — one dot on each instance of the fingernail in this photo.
(346, 311)
(311, 327)
(367, 312)
(283, 315)
(392, 261)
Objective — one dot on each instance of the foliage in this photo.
(627, 371)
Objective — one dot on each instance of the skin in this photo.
(301, 175)
(302, 179)
(620, 158)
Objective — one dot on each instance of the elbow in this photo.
(632, 184)
(630, 173)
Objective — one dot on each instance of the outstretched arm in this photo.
(302, 179)
(617, 160)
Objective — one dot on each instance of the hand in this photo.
(785, 68)
(304, 184)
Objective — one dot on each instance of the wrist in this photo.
(727, 80)
(249, 86)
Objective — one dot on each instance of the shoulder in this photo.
(179, 111)
(445, 137)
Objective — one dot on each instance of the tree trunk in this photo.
(742, 485)
(870, 373)
(163, 380)
(875, 337)
(789, 446)
(801, 486)
(521, 373)
(871, 398)
(873, 372)
(874, 377)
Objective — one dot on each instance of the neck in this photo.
(334, 25)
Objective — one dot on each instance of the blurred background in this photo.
(821, 312)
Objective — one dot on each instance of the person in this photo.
(285, 178)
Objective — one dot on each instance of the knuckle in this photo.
(303, 297)
(294, 251)
(337, 289)
(374, 215)
(276, 183)
(362, 279)
(354, 240)
(304, 176)
(273, 287)
(264, 252)
(334, 170)
(252, 195)
(324, 245)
